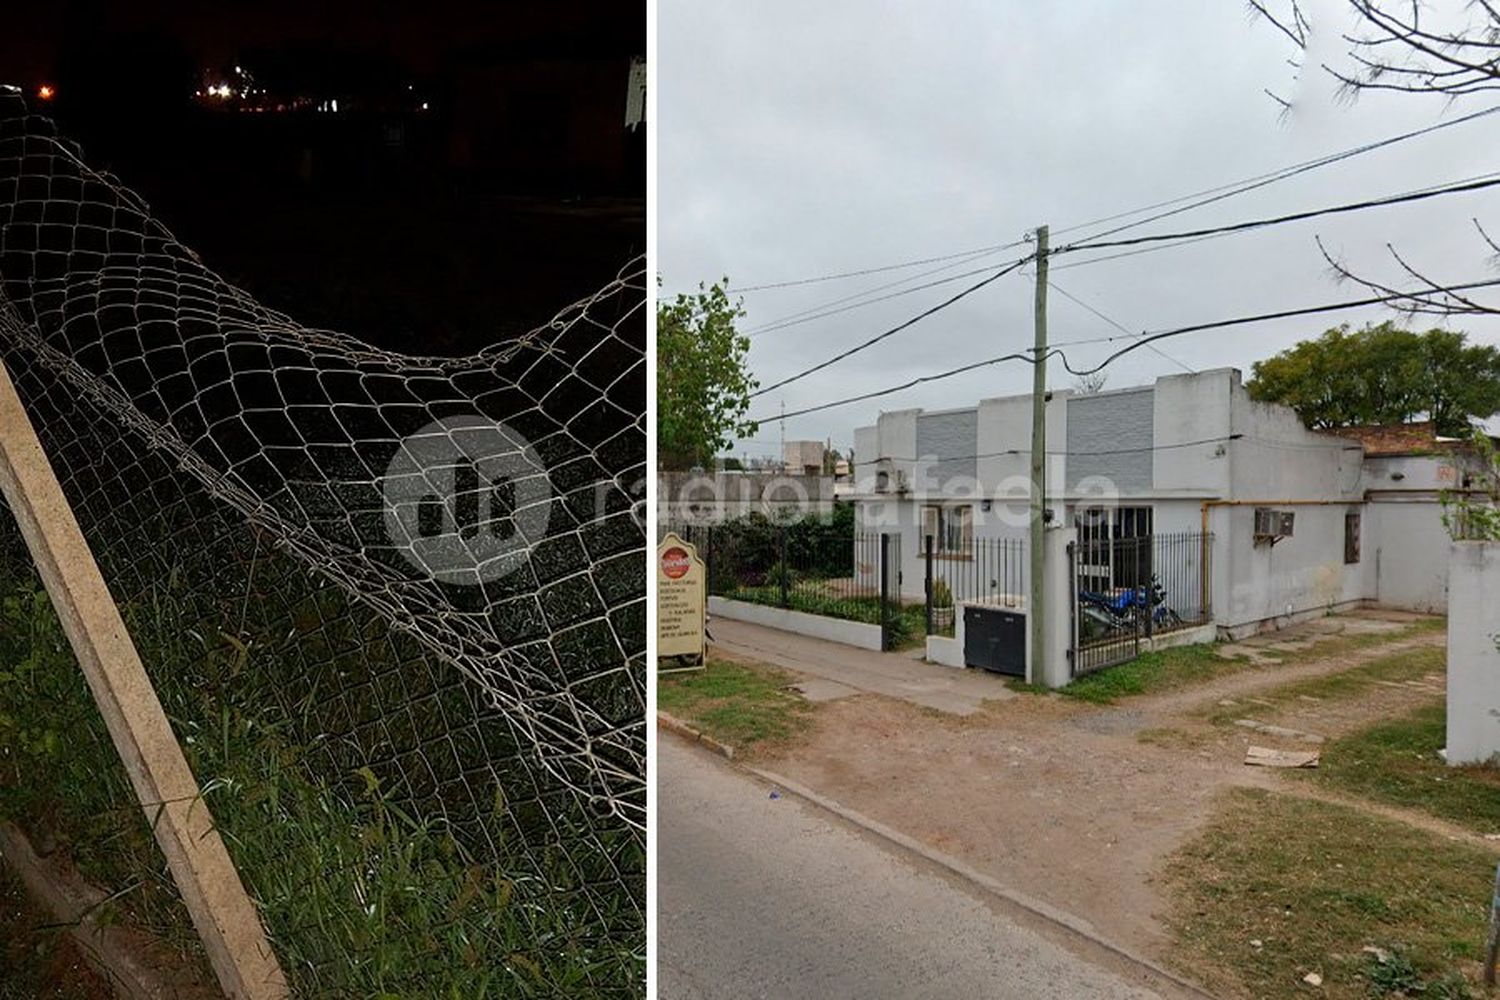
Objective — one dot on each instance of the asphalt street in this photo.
(763, 896)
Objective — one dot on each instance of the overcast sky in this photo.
(798, 139)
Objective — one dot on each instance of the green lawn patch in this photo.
(1397, 763)
(1279, 886)
(370, 885)
(736, 704)
(1151, 673)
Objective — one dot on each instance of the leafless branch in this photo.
(1433, 300)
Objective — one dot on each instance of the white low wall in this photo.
(1473, 653)
(819, 627)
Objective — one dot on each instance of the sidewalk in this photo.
(845, 670)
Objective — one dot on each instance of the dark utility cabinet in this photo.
(995, 640)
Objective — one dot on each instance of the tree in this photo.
(1474, 513)
(1405, 45)
(1384, 375)
(1091, 384)
(703, 384)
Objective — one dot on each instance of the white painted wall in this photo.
(1473, 659)
(1402, 538)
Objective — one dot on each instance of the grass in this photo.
(1153, 673)
(385, 864)
(1315, 884)
(1397, 763)
(1402, 665)
(745, 707)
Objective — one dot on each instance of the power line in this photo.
(878, 270)
(1147, 338)
(893, 330)
(1479, 183)
(1221, 439)
(797, 319)
(1115, 323)
(1253, 183)
(1207, 196)
(1485, 181)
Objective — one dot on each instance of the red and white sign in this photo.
(675, 562)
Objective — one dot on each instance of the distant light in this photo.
(410, 87)
(334, 104)
(46, 92)
(239, 71)
(424, 105)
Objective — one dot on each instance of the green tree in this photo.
(703, 383)
(1382, 374)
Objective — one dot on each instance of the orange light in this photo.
(45, 92)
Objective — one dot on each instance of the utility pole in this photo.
(1034, 605)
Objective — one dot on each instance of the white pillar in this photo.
(1473, 652)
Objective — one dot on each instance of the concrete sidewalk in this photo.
(844, 670)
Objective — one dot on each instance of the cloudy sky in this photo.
(801, 139)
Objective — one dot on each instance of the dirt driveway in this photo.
(1080, 805)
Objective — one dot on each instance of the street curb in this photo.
(1152, 974)
(113, 951)
(675, 725)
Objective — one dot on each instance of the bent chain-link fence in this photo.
(394, 606)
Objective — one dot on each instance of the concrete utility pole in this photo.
(1036, 639)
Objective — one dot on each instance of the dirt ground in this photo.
(1066, 801)
(39, 961)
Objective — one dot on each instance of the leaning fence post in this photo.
(928, 585)
(1492, 947)
(222, 912)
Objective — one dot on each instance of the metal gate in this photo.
(1127, 589)
(892, 630)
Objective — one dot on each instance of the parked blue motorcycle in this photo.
(1130, 608)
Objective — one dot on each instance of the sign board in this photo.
(681, 603)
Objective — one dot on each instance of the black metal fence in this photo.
(1127, 590)
(814, 566)
(983, 571)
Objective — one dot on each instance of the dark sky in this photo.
(418, 34)
(519, 193)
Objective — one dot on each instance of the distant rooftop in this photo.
(1398, 439)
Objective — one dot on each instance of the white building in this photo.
(1302, 522)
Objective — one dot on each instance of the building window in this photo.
(1114, 546)
(1351, 538)
(952, 528)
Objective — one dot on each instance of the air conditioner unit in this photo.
(1272, 525)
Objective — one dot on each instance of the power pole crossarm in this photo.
(1034, 609)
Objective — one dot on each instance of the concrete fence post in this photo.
(1057, 611)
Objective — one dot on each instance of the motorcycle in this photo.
(1131, 608)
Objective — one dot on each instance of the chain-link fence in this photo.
(394, 606)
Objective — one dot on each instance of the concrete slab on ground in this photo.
(895, 675)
